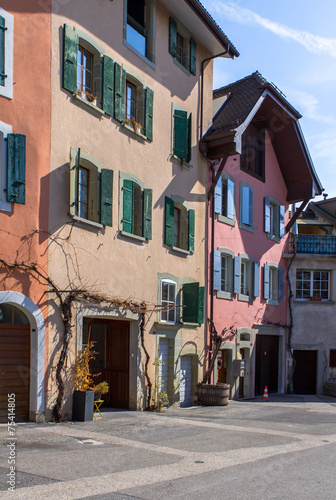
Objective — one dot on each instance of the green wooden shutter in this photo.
(2, 51)
(16, 168)
(172, 36)
(70, 53)
(119, 93)
(74, 179)
(190, 302)
(191, 238)
(128, 206)
(108, 85)
(180, 133)
(192, 62)
(148, 195)
(106, 196)
(169, 221)
(201, 304)
(188, 157)
(149, 114)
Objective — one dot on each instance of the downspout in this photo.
(202, 83)
(212, 201)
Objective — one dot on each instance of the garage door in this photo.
(15, 370)
(185, 381)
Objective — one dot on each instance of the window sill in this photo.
(246, 227)
(226, 220)
(182, 68)
(181, 162)
(133, 236)
(244, 298)
(190, 325)
(132, 132)
(164, 325)
(273, 237)
(144, 58)
(314, 302)
(271, 302)
(89, 104)
(180, 250)
(87, 222)
(224, 295)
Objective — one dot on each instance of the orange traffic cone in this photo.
(265, 396)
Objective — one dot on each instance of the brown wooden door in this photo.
(111, 361)
(15, 370)
(304, 380)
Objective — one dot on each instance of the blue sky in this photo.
(293, 44)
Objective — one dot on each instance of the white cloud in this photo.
(313, 43)
(308, 105)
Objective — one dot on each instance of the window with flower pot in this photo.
(312, 284)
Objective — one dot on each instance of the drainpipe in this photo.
(202, 83)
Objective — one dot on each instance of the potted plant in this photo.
(83, 398)
(100, 389)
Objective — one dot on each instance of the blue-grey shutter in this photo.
(236, 275)
(230, 199)
(217, 270)
(148, 195)
(250, 207)
(192, 62)
(106, 194)
(256, 279)
(2, 51)
(169, 221)
(172, 36)
(267, 215)
(266, 281)
(281, 274)
(16, 168)
(245, 205)
(128, 206)
(282, 221)
(180, 133)
(108, 85)
(218, 197)
(119, 93)
(70, 54)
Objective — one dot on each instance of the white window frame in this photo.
(246, 262)
(7, 89)
(5, 129)
(229, 218)
(169, 282)
(311, 292)
(228, 255)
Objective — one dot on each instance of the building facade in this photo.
(312, 274)
(259, 164)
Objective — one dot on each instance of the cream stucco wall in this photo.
(102, 259)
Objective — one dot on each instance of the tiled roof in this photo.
(242, 96)
(206, 16)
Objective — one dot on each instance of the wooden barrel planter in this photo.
(213, 395)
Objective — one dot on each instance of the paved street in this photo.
(281, 449)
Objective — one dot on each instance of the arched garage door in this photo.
(14, 362)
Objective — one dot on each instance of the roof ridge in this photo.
(254, 74)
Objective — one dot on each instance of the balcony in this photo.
(313, 244)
